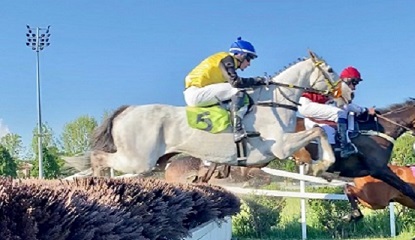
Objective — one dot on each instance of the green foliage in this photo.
(286, 165)
(8, 166)
(51, 164)
(328, 213)
(405, 219)
(402, 152)
(13, 143)
(48, 139)
(76, 135)
(259, 215)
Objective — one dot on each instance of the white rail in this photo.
(213, 230)
(304, 195)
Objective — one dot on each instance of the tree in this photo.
(51, 164)
(403, 153)
(50, 154)
(13, 143)
(48, 139)
(8, 166)
(76, 135)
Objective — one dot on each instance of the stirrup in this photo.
(352, 150)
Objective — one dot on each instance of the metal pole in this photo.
(392, 219)
(303, 206)
(39, 109)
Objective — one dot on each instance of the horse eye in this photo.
(330, 70)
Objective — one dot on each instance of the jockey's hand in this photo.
(262, 81)
(371, 111)
(259, 81)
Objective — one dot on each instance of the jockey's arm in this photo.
(229, 71)
(357, 109)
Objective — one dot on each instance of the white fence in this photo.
(303, 195)
(213, 230)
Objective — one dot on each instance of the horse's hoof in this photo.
(356, 215)
(327, 176)
(347, 218)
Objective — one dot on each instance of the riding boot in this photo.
(237, 113)
(347, 148)
(238, 130)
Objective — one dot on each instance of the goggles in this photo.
(249, 57)
(352, 81)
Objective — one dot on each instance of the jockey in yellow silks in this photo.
(215, 80)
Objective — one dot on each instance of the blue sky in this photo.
(104, 54)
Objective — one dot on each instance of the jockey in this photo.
(314, 105)
(215, 80)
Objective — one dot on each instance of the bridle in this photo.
(334, 88)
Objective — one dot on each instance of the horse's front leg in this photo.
(295, 141)
(389, 177)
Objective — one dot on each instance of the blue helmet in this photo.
(241, 46)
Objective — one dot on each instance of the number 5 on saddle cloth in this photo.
(217, 119)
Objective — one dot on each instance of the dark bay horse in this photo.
(376, 194)
(375, 143)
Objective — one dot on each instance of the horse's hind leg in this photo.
(355, 214)
(99, 164)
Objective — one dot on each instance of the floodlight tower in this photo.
(38, 39)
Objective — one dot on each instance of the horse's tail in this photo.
(79, 163)
(102, 138)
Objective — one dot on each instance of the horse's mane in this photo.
(289, 65)
(393, 107)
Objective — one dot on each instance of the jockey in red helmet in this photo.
(215, 80)
(314, 105)
(351, 76)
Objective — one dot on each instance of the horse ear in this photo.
(312, 55)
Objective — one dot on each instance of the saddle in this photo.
(353, 131)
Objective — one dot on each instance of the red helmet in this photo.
(351, 73)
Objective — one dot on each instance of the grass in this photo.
(289, 226)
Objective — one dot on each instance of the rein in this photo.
(383, 135)
(395, 123)
(276, 105)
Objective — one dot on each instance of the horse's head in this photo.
(307, 74)
(323, 78)
(399, 118)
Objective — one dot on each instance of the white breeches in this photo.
(320, 111)
(209, 95)
(331, 132)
